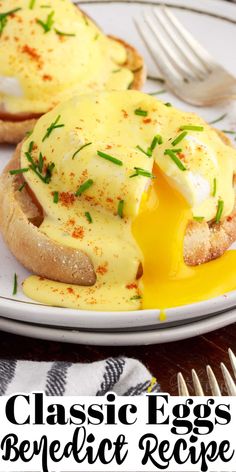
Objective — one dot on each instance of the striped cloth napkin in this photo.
(121, 375)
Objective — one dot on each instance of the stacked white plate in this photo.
(210, 20)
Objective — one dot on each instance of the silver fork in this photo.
(214, 385)
(189, 70)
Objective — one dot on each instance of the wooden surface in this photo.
(164, 361)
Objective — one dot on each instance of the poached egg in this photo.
(127, 175)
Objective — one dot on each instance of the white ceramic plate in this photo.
(206, 19)
(135, 338)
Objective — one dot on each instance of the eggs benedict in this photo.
(119, 202)
(50, 52)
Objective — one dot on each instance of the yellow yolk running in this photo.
(167, 281)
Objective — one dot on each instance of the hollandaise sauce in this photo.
(120, 176)
(49, 52)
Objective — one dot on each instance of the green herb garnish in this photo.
(179, 138)
(40, 164)
(32, 4)
(88, 216)
(120, 208)
(218, 119)
(55, 197)
(47, 26)
(84, 187)
(52, 127)
(61, 33)
(19, 171)
(140, 112)
(22, 187)
(143, 172)
(159, 92)
(15, 284)
(214, 187)
(168, 104)
(142, 150)
(110, 158)
(192, 128)
(198, 218)
(177, 161)
(228, 131)
(37, 167)
(136, 297)
(219, 210)
(3, 18)
(80, 149)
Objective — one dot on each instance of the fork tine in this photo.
(193, 44)
(182, 387)
(232, 361)
(147, 37)
(230, 385)
(167, 49)
(214, 386)
(179, 43)
(197, 385)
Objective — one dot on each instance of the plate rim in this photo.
(89, 318)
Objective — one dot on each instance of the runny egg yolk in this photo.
(159, 231)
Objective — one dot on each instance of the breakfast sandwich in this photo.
(50, 51)
(119, 202)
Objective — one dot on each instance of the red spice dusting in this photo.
(147, 120)
(67, 198)
(31, 52)
(108, 146)
(78, 232)
(70, 222)
(229, 218)
(110, 200)
(41, 278)
(102, 269)
(125, 114)
(70, 290)
(47, 77)
(130, 286)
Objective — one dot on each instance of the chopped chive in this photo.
(19, 171)
(40, 164)
(176, 150)
(88, 216)
(219, 210)
(218, 119)
(148, 154)
(156, 140)
(198, 218)
(15, 285)
(47, 26)
(179, 138)
(136, 297)
(140, 112)
(61, 33)
(116, 70)
(3, 18)
(55, 197)
(158, 92)
(192, 128)
(143, 172)
(22, 187)
(32, 4)
(85, 186)
(53, 126)
(228, 131)
(28, 133)
(168, 104)
(80, 149)
(177, 161)
(110, 158)
(214, 187)
(120, 208)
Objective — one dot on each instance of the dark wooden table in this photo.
(164, 361)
